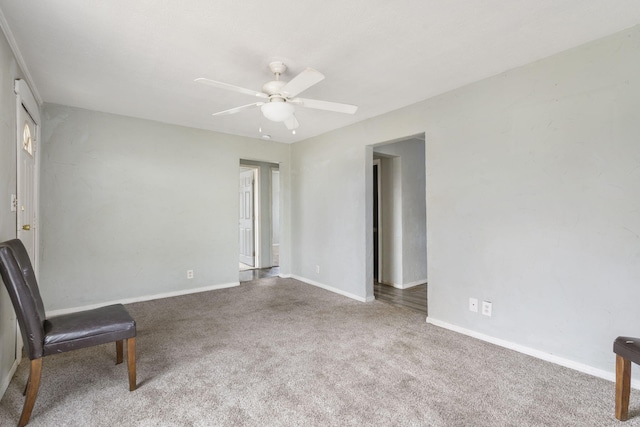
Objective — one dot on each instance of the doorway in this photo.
(399, 234)
(259, 219)
(376, 219)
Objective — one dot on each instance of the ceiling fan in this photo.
(280, 97)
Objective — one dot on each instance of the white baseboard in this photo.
(6, 380)
(412, 284)
(407, 285)
(548, 357)
(332, 289)
(144, 298)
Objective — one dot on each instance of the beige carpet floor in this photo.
(278, 352)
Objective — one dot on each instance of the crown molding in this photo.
(19, 58)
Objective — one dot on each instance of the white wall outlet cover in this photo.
(486, 308)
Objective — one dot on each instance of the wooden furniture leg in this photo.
(32, 391)
(119, 352)
(26, 386)
(131, 362)
(623, 387)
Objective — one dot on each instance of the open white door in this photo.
(246, 215)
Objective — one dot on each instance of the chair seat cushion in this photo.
(87, 328)
(628, 347)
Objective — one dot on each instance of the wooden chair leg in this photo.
(32, 391)
(131, 362)
(26, 386)
(119, 352)
(623, 387)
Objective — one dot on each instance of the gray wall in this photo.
(390, 219)
(129, 205)
(404, 239)
(9, 71)
(330, 216)
(533, 185)
(533, 201)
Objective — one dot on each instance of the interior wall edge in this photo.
(332, 289)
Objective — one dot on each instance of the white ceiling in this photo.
(139, 58)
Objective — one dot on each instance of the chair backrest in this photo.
(19, 278)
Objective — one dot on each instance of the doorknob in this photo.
(26, 227)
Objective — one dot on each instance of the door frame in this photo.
(371, 151)
(25, 98)
(378, 163)
(273, 169)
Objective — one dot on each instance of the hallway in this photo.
(258, 273)
(414, 298)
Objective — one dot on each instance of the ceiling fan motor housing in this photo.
(273, 87)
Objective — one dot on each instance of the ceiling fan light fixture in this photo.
(280, 97)
(277, 111)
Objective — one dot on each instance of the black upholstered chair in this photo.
(627, 350)
(48, 336)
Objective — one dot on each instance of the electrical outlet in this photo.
(486, 308)
(473, 304)
(189, 274)
(317, 269)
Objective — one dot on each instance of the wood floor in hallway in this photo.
(414, 298)
(258, 273)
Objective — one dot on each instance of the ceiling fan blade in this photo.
(237, 109)
(325, 105)
(292, 123)
(233, 88)
(302, 82)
